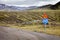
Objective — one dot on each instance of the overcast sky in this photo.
(28, 2)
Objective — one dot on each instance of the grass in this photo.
(37, 28)
(53, 31)
(40, 28)
(27, 16)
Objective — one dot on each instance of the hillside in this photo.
(31, 20)
(11, 7)
(50, 6)
(28, 17)
(56, 6)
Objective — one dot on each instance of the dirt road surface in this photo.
(7, 33)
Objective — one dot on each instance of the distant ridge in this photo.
(56, 6)
(7, 7)
(50, 6)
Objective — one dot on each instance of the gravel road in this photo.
(7, 33)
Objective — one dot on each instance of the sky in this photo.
(26, 3)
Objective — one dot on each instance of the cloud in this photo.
(11, 1)
(40, 3)
(28, 2)
(18, 2)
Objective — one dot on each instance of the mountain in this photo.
(45, 6)
(50, 6)
(15, 8)
(2, 6)
(7, 7)
(10, 8)
(56, 6)
(32, 7)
